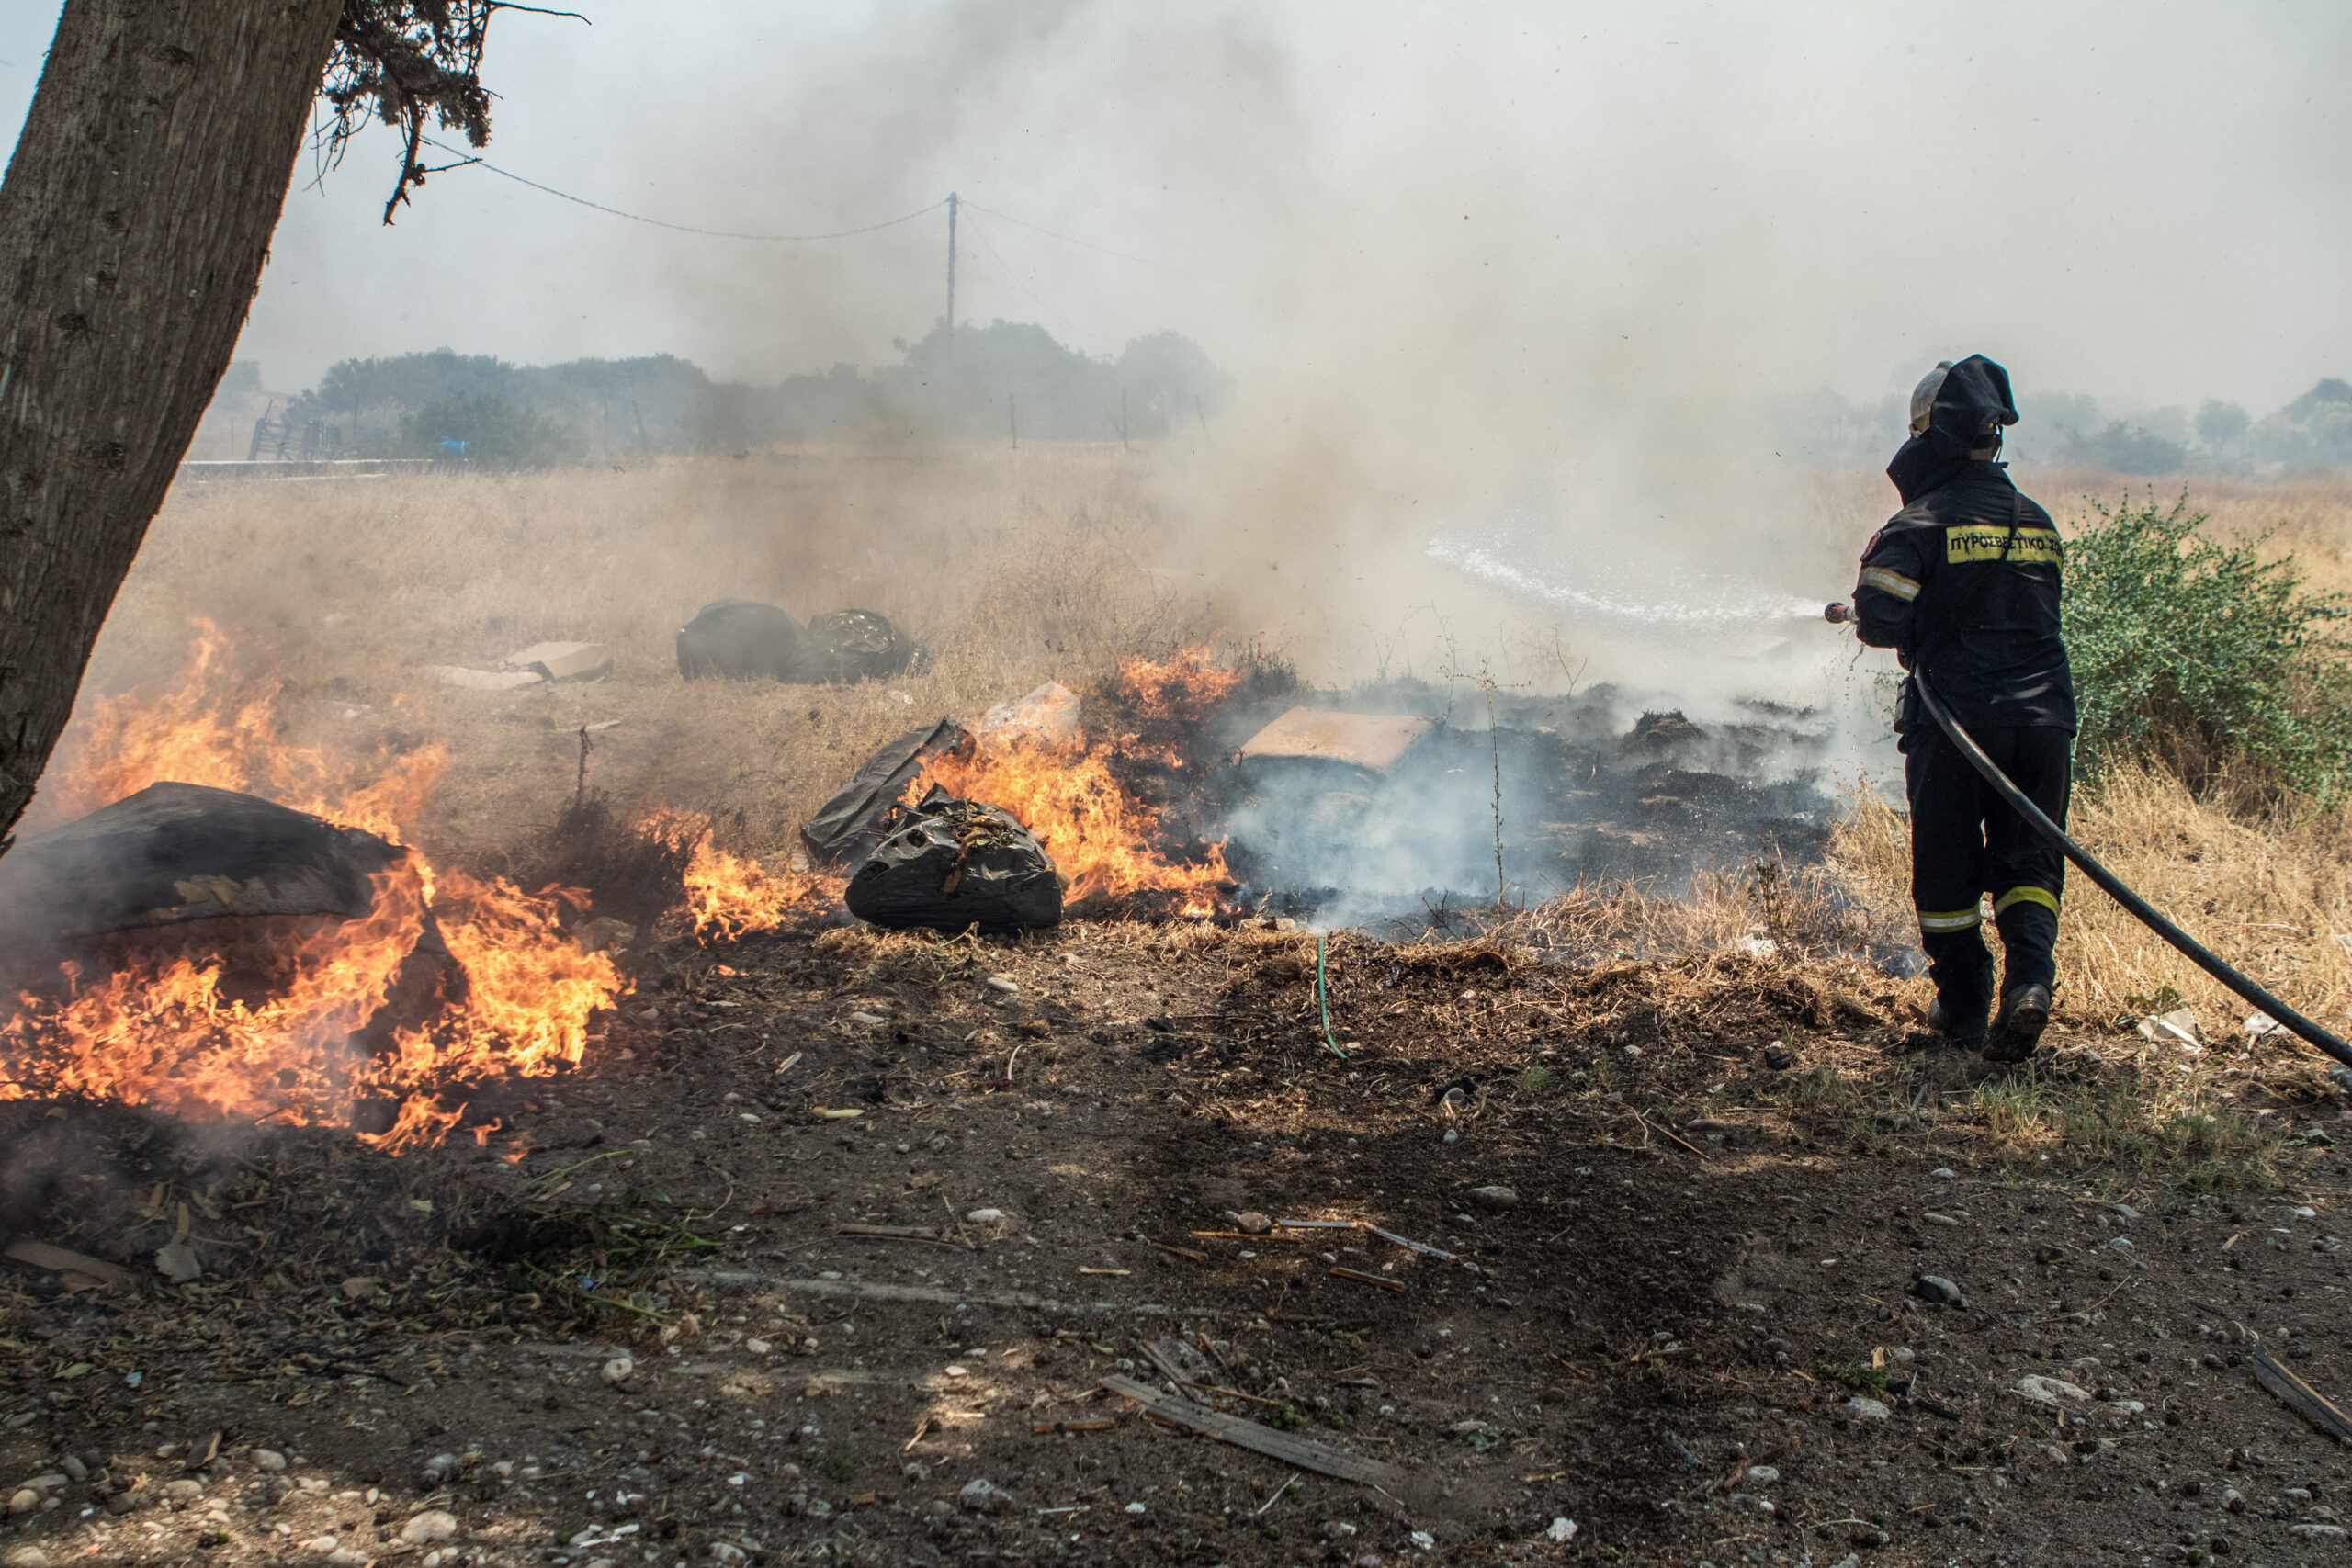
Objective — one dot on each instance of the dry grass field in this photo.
(1013, 567)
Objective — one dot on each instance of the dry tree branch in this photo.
(402, 62)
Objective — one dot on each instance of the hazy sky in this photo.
(1409, 206)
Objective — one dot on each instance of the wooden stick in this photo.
(2300, 1396)
(1298, 1451)
(1361, 1278)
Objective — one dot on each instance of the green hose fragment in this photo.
(1323, 997)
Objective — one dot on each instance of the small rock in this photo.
(618, 1370)
(984, 1496)
(1251, 1222)
(73, 1466)
(1451, 1136)
(2126, 1211)
(870, 1020)
(430, 1525)
(179, 1262)
(1493, 1197)
(268, 1460)
(1762, 1474)
(2121, 1243)
(437, 1468)
(985, 1217)
(1005, 983)
(183, 1491)
(758, 1347)
(1944, 1173)
(2050, 1390)
(1562, 1531)
(1779, 1057)
(1936, 1291)
(1135, 1509)
(358, 1288)
(1863, 1409)
(26, 1557)
(1706, 1124)
(322, 1544)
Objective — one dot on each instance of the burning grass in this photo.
(505, 990)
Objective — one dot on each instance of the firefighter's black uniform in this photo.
(1963, 584)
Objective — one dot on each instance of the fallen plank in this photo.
(1299, 1451)
(2301, 1397)
(59, 1259)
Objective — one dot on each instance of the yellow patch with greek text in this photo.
(2033, 547)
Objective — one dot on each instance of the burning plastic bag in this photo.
(177, 853)
(950, 864)
(847, 828)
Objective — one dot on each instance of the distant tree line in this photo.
(974, 381)
(2314, 431)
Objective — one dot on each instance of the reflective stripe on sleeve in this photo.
(1938, 920)
(1893, 582)
(2041, 896)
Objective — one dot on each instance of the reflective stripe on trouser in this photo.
(1933, 921)
(2028, 893)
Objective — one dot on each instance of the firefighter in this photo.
(1963, 584)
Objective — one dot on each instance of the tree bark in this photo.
(134, 223)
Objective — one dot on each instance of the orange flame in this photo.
(515, 999)
(729, 896)
(1103, 839)
(206, 726)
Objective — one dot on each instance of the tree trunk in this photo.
(133, 225)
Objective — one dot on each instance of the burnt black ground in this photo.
(1610, 1347)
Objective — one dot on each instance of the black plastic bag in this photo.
(951, 864)
(853, 645)
(737, 639)
(175, 853)
(847, 826)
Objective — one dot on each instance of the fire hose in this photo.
(2196, 952)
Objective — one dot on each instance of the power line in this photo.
(472, 161)
(968, 204)
(1023, 283)
(1085, 246)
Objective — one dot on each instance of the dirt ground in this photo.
(1691, 1327)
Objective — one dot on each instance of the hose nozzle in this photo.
(1838, 614)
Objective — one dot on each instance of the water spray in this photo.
(2112, 884)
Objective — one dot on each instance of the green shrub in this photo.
(489, 430)
(2206, 657)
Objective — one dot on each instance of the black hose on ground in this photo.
(2195, 951)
